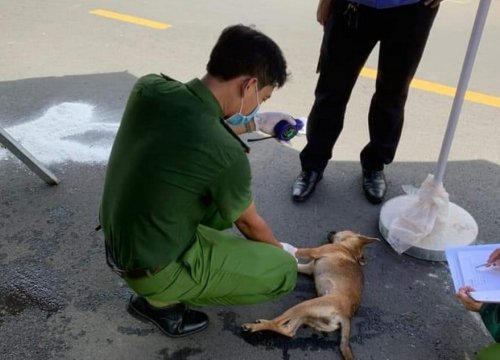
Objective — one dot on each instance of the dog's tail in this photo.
(345, 334)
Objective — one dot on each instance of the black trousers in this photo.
(350, 35)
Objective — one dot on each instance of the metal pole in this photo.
(470, 56)
(28, 159)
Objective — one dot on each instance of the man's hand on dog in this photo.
(290, 249)
(468, 302)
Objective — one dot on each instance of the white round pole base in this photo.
(460, 229)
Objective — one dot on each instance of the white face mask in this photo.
(239, 118)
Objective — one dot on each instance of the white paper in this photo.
(486, 296)
(464, 261)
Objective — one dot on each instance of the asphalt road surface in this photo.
(65, 73)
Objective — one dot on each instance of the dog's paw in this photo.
(248, 327)
(258, 325)
(262, 321)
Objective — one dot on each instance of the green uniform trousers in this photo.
(221, 268)
(491, 352)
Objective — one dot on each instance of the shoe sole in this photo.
(298, 199)
(143, 317)
(373, 200)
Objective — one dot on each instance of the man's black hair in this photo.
(242, 50)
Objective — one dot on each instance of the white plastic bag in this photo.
(420, 217)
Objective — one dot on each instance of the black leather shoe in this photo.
(174, 320)
(304, 185)
(374, 185)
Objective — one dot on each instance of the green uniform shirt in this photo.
(490, 313)
(174, 165)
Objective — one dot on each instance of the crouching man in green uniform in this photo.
(178, 175)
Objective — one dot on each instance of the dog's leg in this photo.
(283, 324)
(345, 347)
(287, 323)
(291, 320)
(307, 269)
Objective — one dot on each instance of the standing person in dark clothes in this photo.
(351, 31)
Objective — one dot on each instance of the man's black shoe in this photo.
(304, 184)
(374, 185)
(174, 320)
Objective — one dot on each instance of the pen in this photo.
(483, 265)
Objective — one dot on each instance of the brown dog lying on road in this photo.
(339, 283)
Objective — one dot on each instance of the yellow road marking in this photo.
(436, 88)
(131, 19)
(429, 86)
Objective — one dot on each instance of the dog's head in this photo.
(353, 242)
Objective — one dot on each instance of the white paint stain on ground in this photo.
(66, 132)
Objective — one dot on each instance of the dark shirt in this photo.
(384, 4)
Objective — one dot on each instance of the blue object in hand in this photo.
(285, 131)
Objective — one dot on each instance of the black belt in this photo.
(130, 274)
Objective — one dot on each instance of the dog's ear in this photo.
(368, 240)
(362, 242)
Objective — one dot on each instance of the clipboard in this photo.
(463, 262)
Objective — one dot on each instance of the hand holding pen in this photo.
(493, 260)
